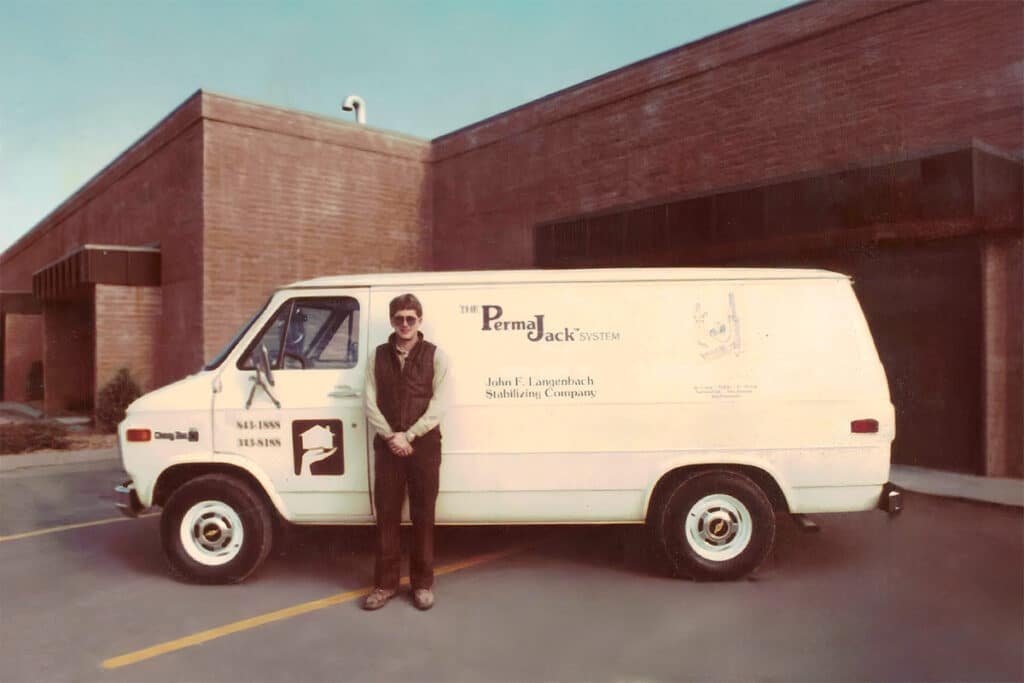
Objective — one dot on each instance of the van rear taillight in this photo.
(138, 435)
(864, 426)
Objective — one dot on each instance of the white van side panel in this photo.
(569, 400)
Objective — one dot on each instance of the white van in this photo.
(701, 402)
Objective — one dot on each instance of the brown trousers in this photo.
(419, 473)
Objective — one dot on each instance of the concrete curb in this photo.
(955, 485)
(51, 458)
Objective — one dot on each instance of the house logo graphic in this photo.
(317, 447)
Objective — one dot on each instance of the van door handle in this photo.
(344, 391)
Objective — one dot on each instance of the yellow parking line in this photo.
(281, 614)
(66, 527)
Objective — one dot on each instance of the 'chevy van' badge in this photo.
(317, 447)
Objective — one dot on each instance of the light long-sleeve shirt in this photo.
(435, 409)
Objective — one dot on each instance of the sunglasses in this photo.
(409, 320)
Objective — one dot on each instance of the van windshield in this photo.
(219, 358)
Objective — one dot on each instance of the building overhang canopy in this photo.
(93, 264)
(967, 190)
(19, 303)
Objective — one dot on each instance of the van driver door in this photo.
(307, 430)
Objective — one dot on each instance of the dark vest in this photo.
(403, 394)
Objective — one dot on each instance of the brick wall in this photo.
(820, 86)
(68, 355)
(23, 345)
(282, 195)
(150, 194)
(291, 196)
(127, 334)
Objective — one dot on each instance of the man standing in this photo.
(405, 381)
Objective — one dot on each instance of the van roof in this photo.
(560, 276)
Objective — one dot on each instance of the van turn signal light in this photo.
(864, 426)
(138, 435)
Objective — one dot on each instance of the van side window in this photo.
(309, 334)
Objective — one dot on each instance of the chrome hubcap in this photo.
(718, 527)
(211, 532)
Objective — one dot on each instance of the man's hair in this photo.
(406, 302)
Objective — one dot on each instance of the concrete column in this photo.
(68, 344)
(23, 346)
(1003, 400)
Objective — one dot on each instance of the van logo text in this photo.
(534, 328)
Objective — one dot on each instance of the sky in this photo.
(81, 80)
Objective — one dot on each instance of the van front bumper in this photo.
(891, 499)
(127, 499)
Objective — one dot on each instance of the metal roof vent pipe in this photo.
(356, 103)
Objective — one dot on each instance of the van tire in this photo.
(716, 526)
(215, 529)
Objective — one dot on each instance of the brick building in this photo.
(879, 139)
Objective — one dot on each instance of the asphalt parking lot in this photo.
(936, 594)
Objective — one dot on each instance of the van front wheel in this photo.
(215, 529)
(716, 526)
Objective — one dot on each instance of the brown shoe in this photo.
(378, 598)
(423, 598)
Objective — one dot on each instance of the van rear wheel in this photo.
(215, 529)
(716, 526)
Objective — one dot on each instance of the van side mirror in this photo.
(264, 377)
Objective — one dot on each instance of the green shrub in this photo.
(113, 400)
(21, 437)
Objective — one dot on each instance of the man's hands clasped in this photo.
(399, 445)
